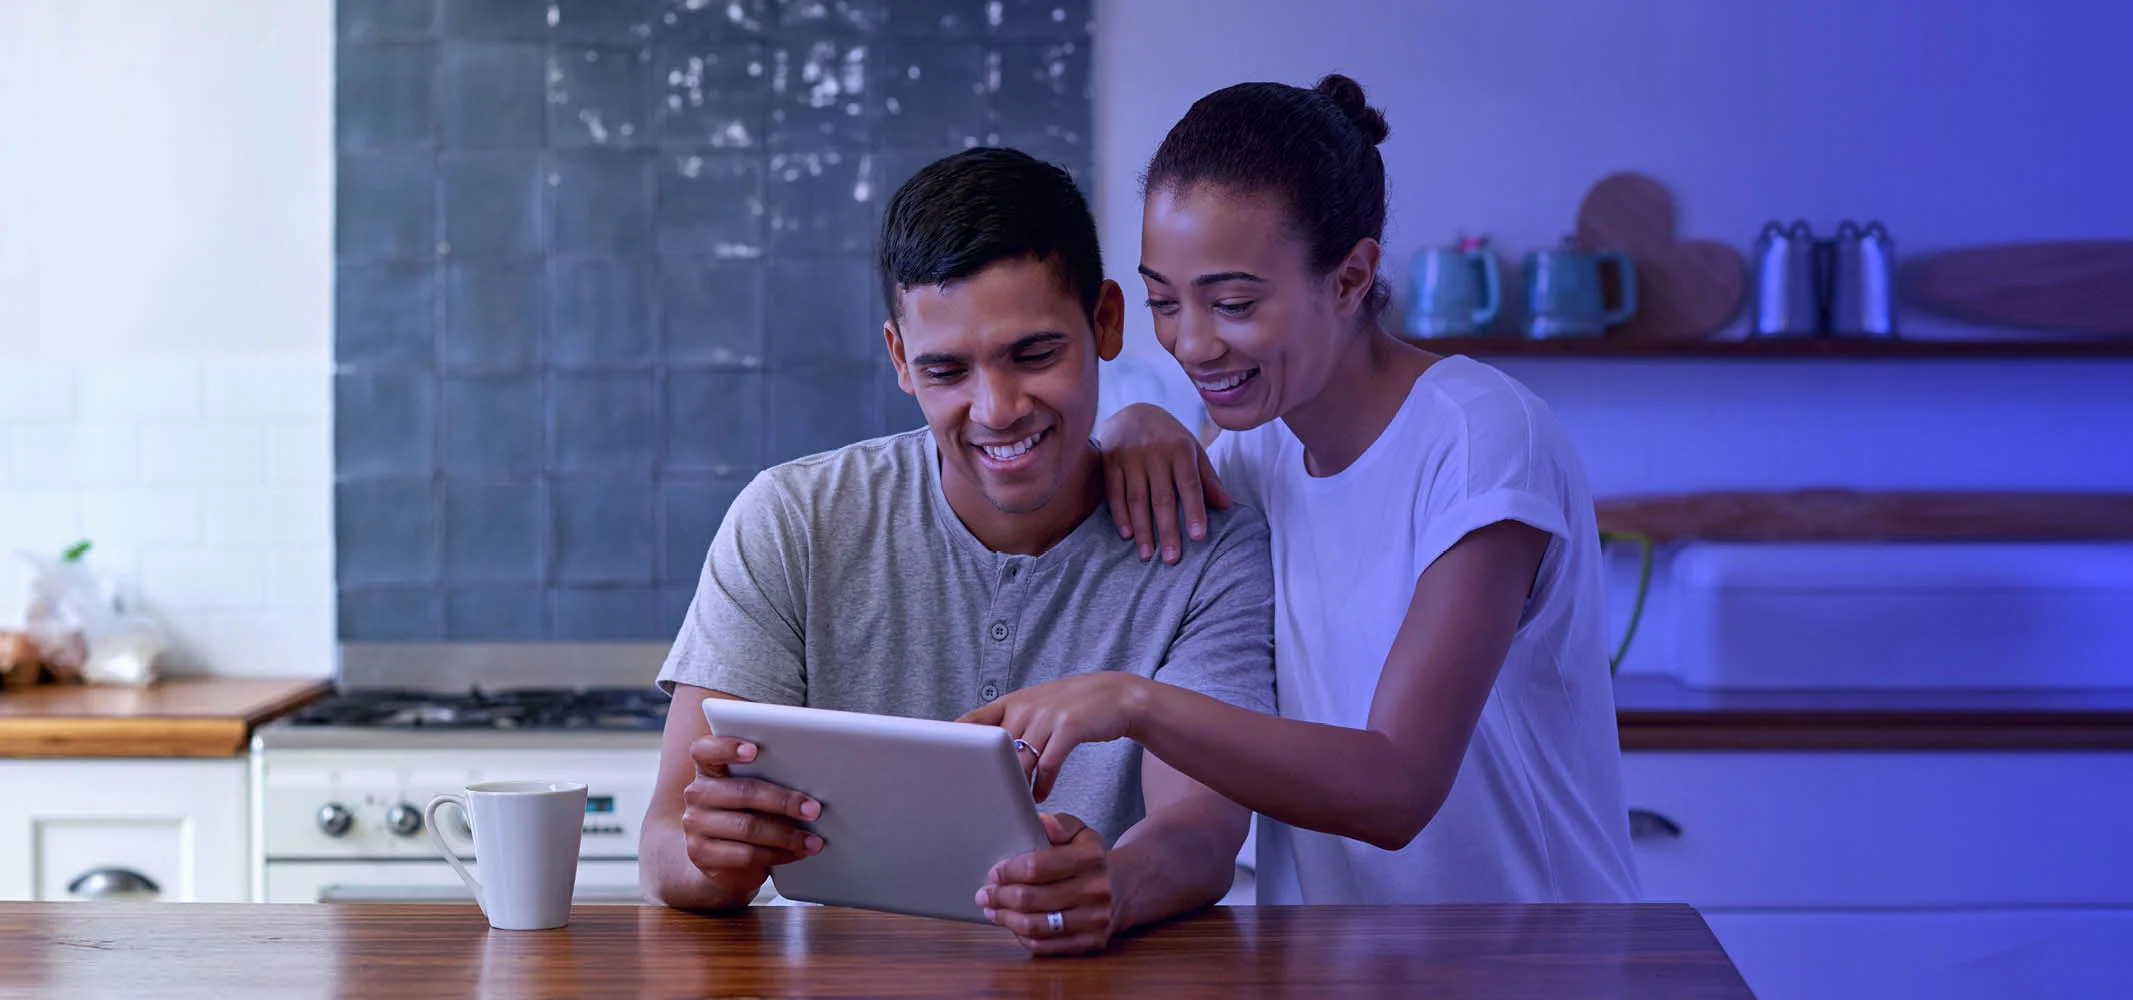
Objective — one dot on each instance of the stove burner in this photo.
(528, 708)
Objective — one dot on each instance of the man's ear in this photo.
(1110, 320)
(1354, 275)
(896, 356)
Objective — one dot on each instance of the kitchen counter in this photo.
(1660, 713)
(182, 717)
(348, 950)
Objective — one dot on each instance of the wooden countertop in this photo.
(1658, 713)
(181, 717)
(350, 950)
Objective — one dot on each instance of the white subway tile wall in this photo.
(206, 486)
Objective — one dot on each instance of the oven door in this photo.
(413, 881)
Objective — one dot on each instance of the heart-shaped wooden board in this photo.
(1686, 289)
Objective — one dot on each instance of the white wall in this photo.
(166, 312)
(1954, 122)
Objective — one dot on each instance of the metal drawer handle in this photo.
(114, 883)
(1645, 824)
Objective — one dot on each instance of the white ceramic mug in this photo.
(526, 836)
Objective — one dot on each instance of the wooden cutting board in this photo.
(1850, 516)
(1686, 289)
(2075, 286)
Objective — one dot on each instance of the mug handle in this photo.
(429, 824)
(1628, 272)
(1491, 289)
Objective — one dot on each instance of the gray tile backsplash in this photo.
(492, 316)
(827, 311)
(603, 423)
(600, 313)
(493, 530)
(712, 311)
(386, 21)
(492, 204)
(387, 96)
(605, 530)
(603, 201)
(385, 531)
(385, 206)
(385, 316)
(384, 424)
(714, 422)
(493, 425)
(601, 261)
(496, 20)
(496, 613)
(614, 22)
(599, 96)
(493, 96)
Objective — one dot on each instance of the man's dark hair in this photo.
(966, 212)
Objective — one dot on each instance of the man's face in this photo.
(1004, 365)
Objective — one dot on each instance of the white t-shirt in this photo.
(1536, 813)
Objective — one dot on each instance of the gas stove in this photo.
(525, 708)
(339, 785)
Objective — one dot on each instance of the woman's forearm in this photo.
(1347, 782)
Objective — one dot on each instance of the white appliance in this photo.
(1904, 615)
(339, 786)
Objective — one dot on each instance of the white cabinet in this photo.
(1967, 954)
(141, 829)
(1898, 874)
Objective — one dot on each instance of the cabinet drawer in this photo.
(98, 859)
(177, 824)
(1949, 955)
(1796, 829)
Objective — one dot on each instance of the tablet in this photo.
(915, 812)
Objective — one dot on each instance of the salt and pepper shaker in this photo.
(1785, 302)
(1862, 303)
(1807, 287)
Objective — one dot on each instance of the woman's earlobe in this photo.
(1358, 275)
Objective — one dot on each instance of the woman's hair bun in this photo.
(1348, 95)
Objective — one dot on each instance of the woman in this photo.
(1447, 721)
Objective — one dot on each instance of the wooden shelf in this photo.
(1836, 515)
(1804, 347)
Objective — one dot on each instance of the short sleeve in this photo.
(1230, 456)
(1225, 645)
(745, 631)
(1506, 470)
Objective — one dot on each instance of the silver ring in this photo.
(1056, 922)
(1024, 745)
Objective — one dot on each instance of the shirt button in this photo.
(989, 692)
(999, 631)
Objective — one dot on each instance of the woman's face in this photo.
(1236, 302)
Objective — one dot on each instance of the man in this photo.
(927, 573)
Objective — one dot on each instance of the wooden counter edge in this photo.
(1869, 731)
(151, 736)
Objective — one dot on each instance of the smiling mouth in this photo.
(1014, 449)
(1223, 383)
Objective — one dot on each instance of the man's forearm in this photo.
(1179, 858)
(668, 877)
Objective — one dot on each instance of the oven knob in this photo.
(334, 818)
(404, 819)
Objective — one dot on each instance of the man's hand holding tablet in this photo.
(1057, 900)
(742, 825)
